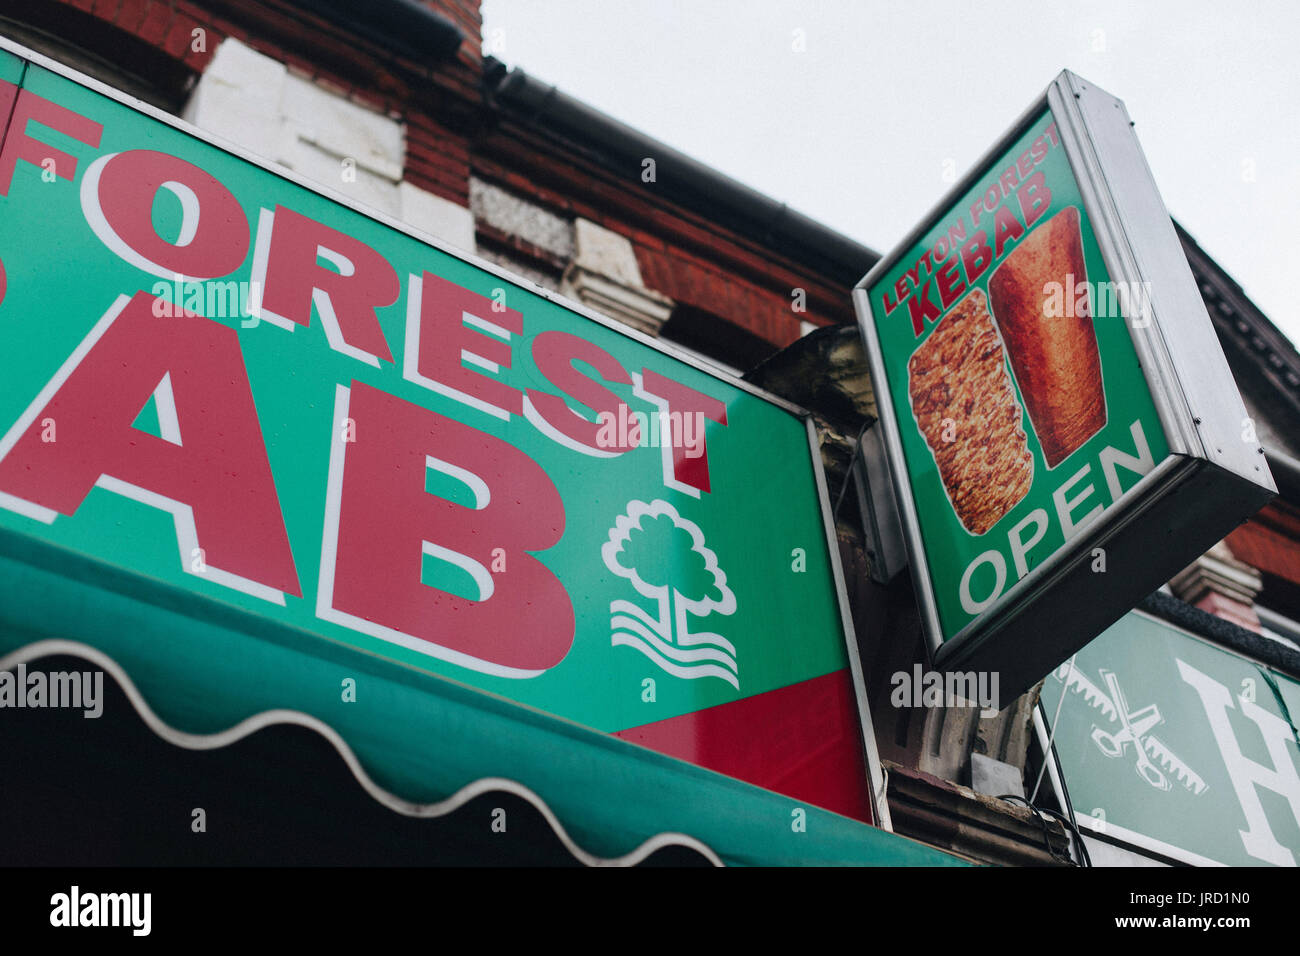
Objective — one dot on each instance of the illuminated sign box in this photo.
(224, 383)
(1063, 431)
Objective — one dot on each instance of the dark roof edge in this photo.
(405, 26)
(680, 177)
(1233, 313)
(1223, 632)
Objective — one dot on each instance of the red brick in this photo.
(425, 162)
(449, 146)
(198, 60)
(302, 64)
(763, 312)
(568, 182)
(430, 157)
(423, 128)
(179, 36)
(156, 22)
(465, 15)
(450, 195)
(1267, 546)
(649, 240)
(332, 85)
(441, 186)
(374, 101)
(451, 177)
(105, 9)
(221, 24)
(131, 14)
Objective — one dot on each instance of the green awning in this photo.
(203, 667)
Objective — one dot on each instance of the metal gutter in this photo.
(678, 176)
(1286, 472)
(404, 26)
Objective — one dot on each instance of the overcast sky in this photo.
(858, 127)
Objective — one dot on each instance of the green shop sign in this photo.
(1178, 747)
(1035, 413)
(236, 392)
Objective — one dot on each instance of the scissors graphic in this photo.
(1134, 728)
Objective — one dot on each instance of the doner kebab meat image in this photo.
(965, 407)
(1054, 358)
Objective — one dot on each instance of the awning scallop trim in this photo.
(269, 718)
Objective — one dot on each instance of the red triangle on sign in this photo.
(803, 741)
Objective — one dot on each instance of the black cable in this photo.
(1084, 858)
(1084, 855)
(1040, 816)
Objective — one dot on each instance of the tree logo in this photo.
(665, 558)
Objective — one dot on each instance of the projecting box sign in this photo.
(1047, 379)
(221, 380)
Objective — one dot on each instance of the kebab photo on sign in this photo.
(962, 379)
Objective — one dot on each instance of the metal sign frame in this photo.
(875, 776)
(1220, 479)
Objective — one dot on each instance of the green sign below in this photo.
(1179, 747)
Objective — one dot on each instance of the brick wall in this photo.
(166, 24)
(434, 100)
(437, 158)
(466, 15)
(1269, 540)
(680, 254)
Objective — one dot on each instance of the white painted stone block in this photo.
(343, 128)
(361, 186)
(518, 217)
(254, 101)
(605, 253)
(437, 216)
(238, 98)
